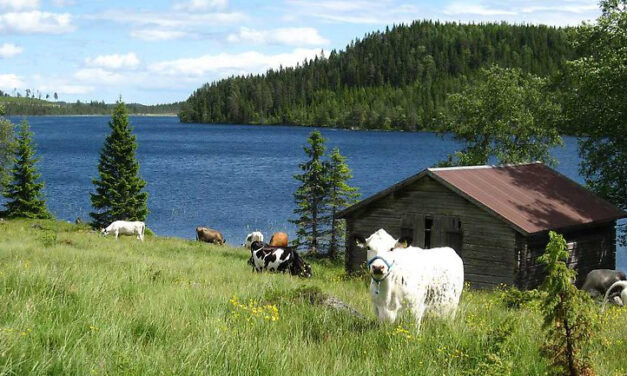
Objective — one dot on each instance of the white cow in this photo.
(255, 236)
(412, 278)
(125, 228)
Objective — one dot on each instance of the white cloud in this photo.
(10, 81)
(8, 50)
(375, 12)
(99, 76)
(200, 5)
(581, 8)
(115, 61)
(170, 20)
(36, 22)
(64, 3)
(19, 4)
(298, 36)
(67, 89)
(477, 9)
(188, 19)
(152, 35)
(246, 62)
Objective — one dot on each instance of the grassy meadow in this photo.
(72, 303)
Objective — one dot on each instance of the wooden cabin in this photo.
(497, 218)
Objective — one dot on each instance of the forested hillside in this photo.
(396, 79)
(34, 106)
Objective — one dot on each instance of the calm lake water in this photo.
(232, 178)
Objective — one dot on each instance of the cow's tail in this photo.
(622, 284)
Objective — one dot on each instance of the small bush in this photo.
(516, 299)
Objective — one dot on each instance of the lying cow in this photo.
(411, 278)
(598, 281)
(254, 236)
(278, 239)
(277, 259)
(209, 235)
(618, 292)
(125, 228)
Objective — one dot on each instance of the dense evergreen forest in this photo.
(395, 79)
(34, 106)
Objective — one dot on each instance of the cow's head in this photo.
(378, 242)
(104, 232)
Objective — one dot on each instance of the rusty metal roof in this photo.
(530, 197)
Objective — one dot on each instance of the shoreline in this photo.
(91, 115)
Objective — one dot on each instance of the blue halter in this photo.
(389, 266)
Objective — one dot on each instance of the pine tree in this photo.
(119, 193)
(312, 196)
(341, 195)
(23, 193)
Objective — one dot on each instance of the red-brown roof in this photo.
(531, 197)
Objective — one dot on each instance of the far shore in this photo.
(93, 115)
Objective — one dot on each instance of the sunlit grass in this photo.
(72, 303)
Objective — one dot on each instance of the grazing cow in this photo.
(412, 278)
(209, 235)
(278, 259)
(620, 297)
(278, 239)
(598, 281)
(255, 236)
(125, 228)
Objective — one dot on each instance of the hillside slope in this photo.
(396, 79)
(77, 304)
(34, 106)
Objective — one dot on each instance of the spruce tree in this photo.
(341, 195)
(312, 196)
(568, 314)
(23, 193)
(119, 193)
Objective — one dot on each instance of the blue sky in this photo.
(160, 51)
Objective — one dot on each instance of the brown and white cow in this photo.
(209, 235)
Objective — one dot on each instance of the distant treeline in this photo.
(396, 79)
(32, 106)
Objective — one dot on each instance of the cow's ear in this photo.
(360, 241)
(404, 242)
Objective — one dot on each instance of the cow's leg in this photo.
(116, 234)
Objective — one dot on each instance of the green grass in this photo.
(72, 303)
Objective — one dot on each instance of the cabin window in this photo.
(428, 227)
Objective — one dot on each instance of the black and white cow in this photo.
(277, 259)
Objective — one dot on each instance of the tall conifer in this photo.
(312, 196)
(341, 195)
(23, 193)
(119, 193)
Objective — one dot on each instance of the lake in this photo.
(236, 178)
